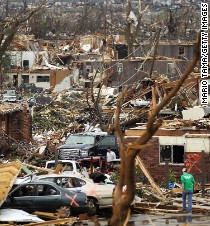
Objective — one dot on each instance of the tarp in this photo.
(8, 175)
(13, 215)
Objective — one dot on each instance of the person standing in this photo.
(110, 155)
(188, 182)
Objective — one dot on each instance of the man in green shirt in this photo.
(188, 182)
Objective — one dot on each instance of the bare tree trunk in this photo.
(9, 28)
(131, 31)
(128, 153)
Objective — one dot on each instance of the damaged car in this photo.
(46, 197)
(69, 165)
(11, 95)
(99, 195)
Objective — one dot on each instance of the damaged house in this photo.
(15, 123)
(31, 65)
(177, 144)
(74, 62)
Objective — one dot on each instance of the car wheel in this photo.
(93, 206)
(64, 211)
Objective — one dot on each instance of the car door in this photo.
(48, 198)
(105, 194)
(21, 198)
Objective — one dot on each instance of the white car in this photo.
(11, 96)
(100, 195)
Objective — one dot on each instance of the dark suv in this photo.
(30, 88)
(87, 144)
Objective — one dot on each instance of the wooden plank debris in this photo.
(38, 168)
(70, 221)
(147, 174)
(156, 210)
(8, 175)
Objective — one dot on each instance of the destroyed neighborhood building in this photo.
(38, 62)
(73, 87)
(80, 62)
(15, 121)
(176, 143)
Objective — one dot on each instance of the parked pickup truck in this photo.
(87, 144)
(70, 165)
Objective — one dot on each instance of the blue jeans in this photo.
(187, 194)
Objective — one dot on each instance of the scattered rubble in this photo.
(80, 96)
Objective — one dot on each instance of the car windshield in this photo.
(80, 140)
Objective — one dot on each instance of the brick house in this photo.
(179, 147)
(16, 121)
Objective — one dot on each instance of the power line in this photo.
(129, 54)
(148, 54)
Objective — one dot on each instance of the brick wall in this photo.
(20, 125)
(26, 124)
(150, 157)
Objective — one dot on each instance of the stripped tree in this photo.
(132, 26)
(10, 24)
(128, 152)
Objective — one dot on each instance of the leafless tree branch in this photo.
(122, 201)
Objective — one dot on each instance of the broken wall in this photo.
(187, 152)
(57, 76)
(22, 59)
(173, 50)
(130, 69)
(17, 124)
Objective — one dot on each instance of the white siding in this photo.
(32, 79)
(18, 57)
(171, 140)
(192, 144)
(197, 144)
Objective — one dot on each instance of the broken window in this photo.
(43, 79)
(119, 67)
(172, 153)
(88, 68)
(181, 50)
(47, 190)
(25, 78)
(171, 70)
(25, 64)
(25, 190)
